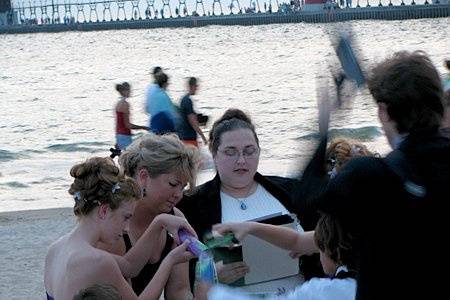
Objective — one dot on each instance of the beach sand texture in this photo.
(26, 236)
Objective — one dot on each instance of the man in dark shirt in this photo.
(189, 126)
(395, 207)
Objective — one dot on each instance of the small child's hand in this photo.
(240, 230)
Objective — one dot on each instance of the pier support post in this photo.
(80, 11)
(196, 7)
(135, 12)
(106, 8)
(232, 5)
(150, 9)
(166, 3)
(214, 6)
(182, 8)
(121, 7)
(93, 11)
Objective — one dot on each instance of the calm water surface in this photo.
(57, 91)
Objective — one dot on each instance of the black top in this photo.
(149, 270)
(203, 209)
(399, 238)
(185, 130)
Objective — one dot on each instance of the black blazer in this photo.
(203, 209)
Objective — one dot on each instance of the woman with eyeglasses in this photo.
(238, 192)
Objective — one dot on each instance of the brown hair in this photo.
(331, 238)
(341, 150)
(124, 86)
(409, 85)
(160, 154)
(161, 79)
(232, 119)
(99, 181)
(98, 292)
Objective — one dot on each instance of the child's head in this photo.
(334, 244)
(99, 181)
(98, 292)
(124, 89)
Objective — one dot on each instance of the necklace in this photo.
(241, 201)
(242, 204)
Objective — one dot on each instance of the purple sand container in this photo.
(195, 246)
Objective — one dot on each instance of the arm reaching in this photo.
(286, 238)
(134, 260)
(178, 255)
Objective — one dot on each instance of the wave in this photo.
(6, 155)
(366, 133)
(79, 147)
(48, 179)
(15, 184)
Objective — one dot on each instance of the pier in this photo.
(140, 14)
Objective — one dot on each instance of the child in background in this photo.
(123, 123)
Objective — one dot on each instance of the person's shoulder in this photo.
(98, 261)
(211, 185)
(198, 193)
(122, 106)
(277, 180)
(186, 101)
(186, 98)
(326, 287)
(54, 249)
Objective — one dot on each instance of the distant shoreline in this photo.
(401, 12)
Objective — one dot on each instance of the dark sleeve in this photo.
(348, 194)
(313, 181)
(186, 106)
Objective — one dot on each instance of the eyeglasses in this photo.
(233, 153)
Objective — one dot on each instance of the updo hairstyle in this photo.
(99, 181)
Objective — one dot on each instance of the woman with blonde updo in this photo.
(105, 200)
(163, 166)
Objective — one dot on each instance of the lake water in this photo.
(58, 94)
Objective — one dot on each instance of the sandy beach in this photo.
(26, 235)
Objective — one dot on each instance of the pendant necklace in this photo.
(242, 204)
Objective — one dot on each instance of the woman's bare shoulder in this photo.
(92, 262)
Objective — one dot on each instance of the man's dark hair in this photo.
(192, 81)
(98, 292)
(161, 79)
(410, 86)
(156, 70)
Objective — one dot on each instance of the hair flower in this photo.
(115, 188)
(77, 196)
